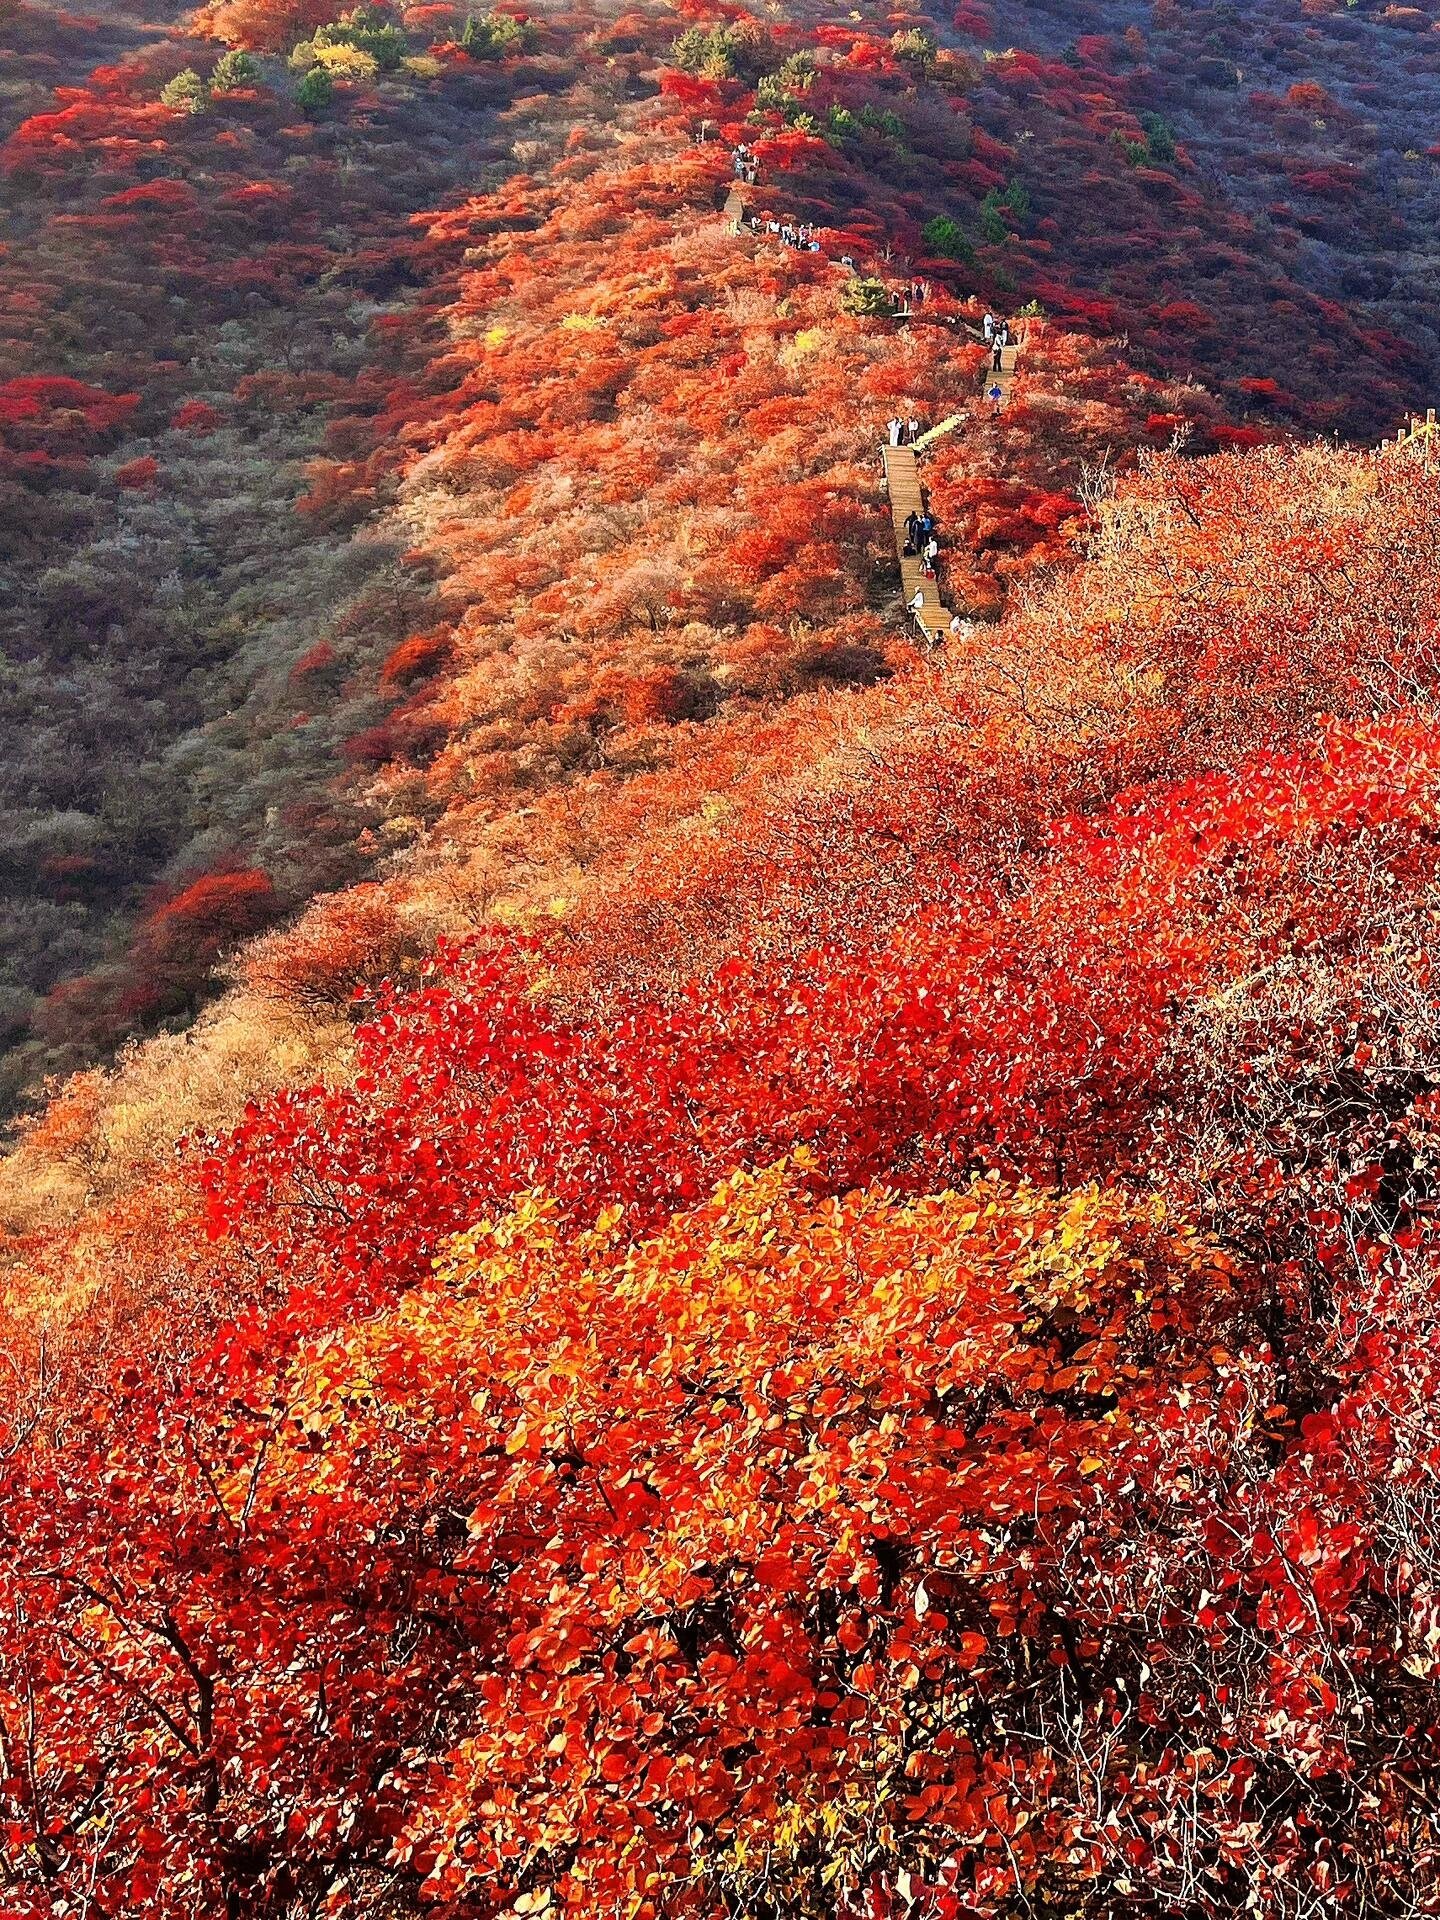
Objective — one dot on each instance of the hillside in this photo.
(668, 1254)
(235, 672)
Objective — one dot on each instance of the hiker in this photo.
(997, 359)
(914, 430)
(917, 607)
(892, 428)
(989, 329)
(912, 528)
(932, 551)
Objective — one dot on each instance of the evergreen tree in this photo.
(233, 71)
(315, 91)
(186, 93)
(945, 236)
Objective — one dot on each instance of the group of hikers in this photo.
(790, 233)
(902, 433)
(801, 235)
(955, 628)
(997, 338)
(920, 540)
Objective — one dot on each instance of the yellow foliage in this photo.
(753, 1387)
(347, 63)
(809, 340)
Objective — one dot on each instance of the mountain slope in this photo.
(805, 1287)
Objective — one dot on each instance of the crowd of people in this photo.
(997, 339)
(922, 543)
(920, 540)
(790, 233)
(800, 234)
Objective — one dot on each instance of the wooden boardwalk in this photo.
(902, 475)
(998, 384)
(902, 481)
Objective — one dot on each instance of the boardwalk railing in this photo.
(1419, 436)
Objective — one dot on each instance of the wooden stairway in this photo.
(902, 481)
(997, 385)
(902, 476)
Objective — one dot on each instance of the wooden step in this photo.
(902, 479)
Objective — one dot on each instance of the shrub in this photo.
(866, 299)
(1160, 136)
(136, 475)
(708, 55)
(777, 91)
(1002, 214)
(496, 36)
(415, 659)
(213, 912)
(315, 91)
(186, 93)
(346, 63)
(234, 71)
(365, 31)
(915, 47)
(944, 236)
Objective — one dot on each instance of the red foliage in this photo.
(45, 404)
(884, 1363)
(197, 416)
(191, 929)
(414, 659)
(315, 659)
(137, 475)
